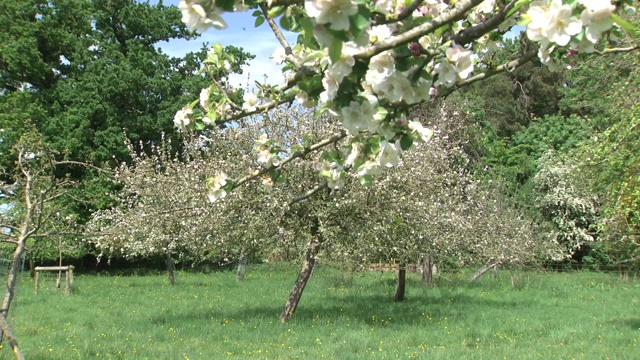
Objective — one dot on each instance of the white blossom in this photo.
(204, 98)
(183, 118)
(389, 155)
(369, 168)
(196, 18)
(358, 116)
(424, 133)
(250, 101)
(333, 12)
(279, 55)
(597, 18)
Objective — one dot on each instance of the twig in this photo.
(298, 154)
(308, 194)
(276, 30)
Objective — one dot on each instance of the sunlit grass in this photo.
(341, 316)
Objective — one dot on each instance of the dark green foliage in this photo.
(83, 72)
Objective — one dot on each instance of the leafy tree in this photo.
(84, 70)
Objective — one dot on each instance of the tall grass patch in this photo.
(517, 315)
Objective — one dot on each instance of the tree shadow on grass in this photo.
(366, 309)
(632, 323)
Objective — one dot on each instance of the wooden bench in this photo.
(68, 270)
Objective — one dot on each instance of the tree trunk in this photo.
(32, 267)
(12, 278)
(307, 267)
(171, 269)
(242, 267)
(483, 271)
(427, 270)
(402, 281)
(6, 331)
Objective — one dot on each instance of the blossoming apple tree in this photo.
(366, 63)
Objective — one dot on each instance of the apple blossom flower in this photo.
(331, 85)
(279, 55)
(196, 18)
(539, 17)
(204, 98)
(596, 17)
(562, 24)
(458, 63)
(389, 155)
(266, 158)
(379, 33)
(424, 133)
(336, 180)
(182, 119)
(216, 192)
(333, 12)
(250, 101)
(356, 149)
(267, 182)
(385, 6)
(369, 168)
(358, 116)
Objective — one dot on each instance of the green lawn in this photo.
(575, 315)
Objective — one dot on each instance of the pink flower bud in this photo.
(415, 48)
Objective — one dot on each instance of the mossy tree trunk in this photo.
(171, 269)
(402, 282)
(242, 266)
(307, 268)
(427, 270)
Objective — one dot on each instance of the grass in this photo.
(577, 315)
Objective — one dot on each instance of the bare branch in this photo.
(475, 32)
(276, 30)
(617, 50)
(13, 228)
(308, 194)
(69, 162)
(510, 66)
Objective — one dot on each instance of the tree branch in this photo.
(276, 30)
(511, 65)
(475, 32)
(414, 33)
(308, 194)
(298, 154)
(391, 18)
(617, 50)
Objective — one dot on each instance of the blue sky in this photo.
(241, 33)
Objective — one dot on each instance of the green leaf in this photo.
(335, 50)
(276, 11)
(516, 7)
(200, 126)
(366, 180)
(296, 148)
(285, 22)
(630, 29)
(257, 13)
(360, 20)
(403, 64)
(406, 141)
(329, 156)
(259, 21)
(308, 139)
